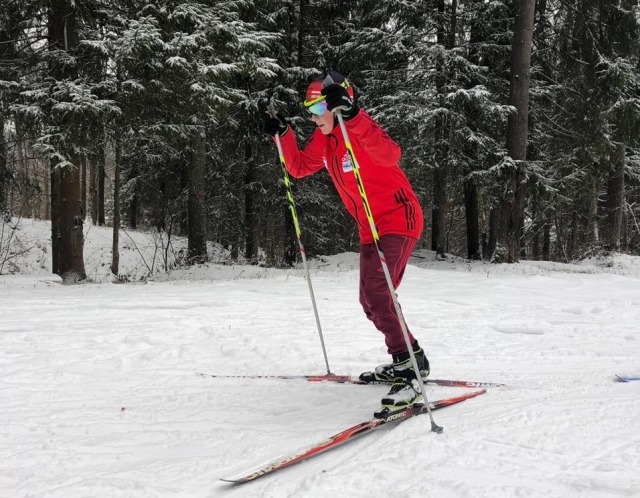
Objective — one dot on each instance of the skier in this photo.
(394, 208)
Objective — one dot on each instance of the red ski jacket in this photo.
(394, 205)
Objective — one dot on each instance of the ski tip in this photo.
(627, 378)
(232, 481)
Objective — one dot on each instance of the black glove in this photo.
(337, 97)
(275, 124)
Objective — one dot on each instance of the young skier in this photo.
(394, 208)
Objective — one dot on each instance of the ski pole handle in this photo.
(329, 81)
(272, 112)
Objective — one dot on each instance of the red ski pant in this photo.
(375, 297)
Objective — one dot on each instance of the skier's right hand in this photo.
(275, 123)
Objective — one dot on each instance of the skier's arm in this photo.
(304, 162)
(299, 163)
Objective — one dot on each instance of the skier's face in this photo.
(324, 122)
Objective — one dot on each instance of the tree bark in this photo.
(572, 244)
(494, 227)
(472, 215)
(615, 198)
(438, 232)
(20, 164)
(71, 222)
(93, 191)
(115, 247)
(513, 201)
(298, 58)
(67, 208)
(55, 219)
(83, 181)
(132, 206)
(182, 215)
(132, 212)
(4, 173)
(101, 173)
(197, 236)
(592, 220)
(546, 240)
(250, 252)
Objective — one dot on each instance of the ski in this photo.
(628, 378)
(347, 379)
(349, 434)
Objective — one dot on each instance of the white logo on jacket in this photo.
(347, 165)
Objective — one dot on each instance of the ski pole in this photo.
(292, 208)
(374, 231)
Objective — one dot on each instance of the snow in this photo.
(100, 397)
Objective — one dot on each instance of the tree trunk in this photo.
(71, 222)
(625, 228)
(297, 57)
(494, 227)
(572, 245)
(132, 206)
(102, 158)
(4, 173)
(472, 215)
(513, 201)
(20, 164)
(55, 219)
(46, 180)
(454, 24)
(115, 247)
(132, 212)
(93, 191)
(197, 238)
(546, 240)
(438, 212)
(83, 181)
(67, 208)
(615, 198)
(249, 205)
(182, 215)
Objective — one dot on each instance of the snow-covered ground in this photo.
(99, 396)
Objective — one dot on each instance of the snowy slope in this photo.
(99, 396)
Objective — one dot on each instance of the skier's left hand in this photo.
(275, 124)
(337, 97)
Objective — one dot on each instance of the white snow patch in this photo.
(99, 395)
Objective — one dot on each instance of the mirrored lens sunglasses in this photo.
(318, 108)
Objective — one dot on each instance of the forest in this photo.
(519, 121)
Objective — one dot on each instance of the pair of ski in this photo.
(358, 430)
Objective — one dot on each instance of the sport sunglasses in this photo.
(316, 107)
